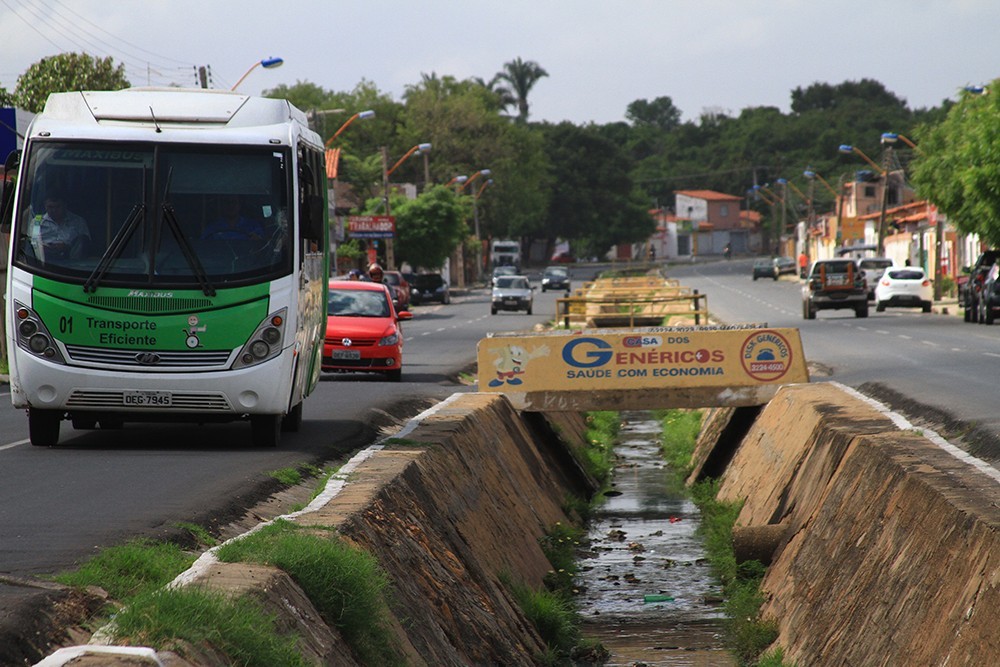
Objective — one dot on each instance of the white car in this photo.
(512, 293)
(904, 287)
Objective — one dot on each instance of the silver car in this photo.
(512, 293)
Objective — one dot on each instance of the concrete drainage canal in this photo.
(647, 592)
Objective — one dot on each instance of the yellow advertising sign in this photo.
(649, 358)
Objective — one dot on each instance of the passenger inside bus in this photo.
(59, 233)
(231, 223)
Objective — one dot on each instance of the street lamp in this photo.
(481, 172)
(475, 207)
(266, 63)
(457, 179)
(847, 148)
(891, 137)
(390, 257)
(359, 115)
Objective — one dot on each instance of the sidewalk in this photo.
(947, 306)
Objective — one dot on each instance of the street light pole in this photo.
(266, 63)
(359, 115)
(390, 255)
(883, 170)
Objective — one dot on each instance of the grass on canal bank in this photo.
(749, 636)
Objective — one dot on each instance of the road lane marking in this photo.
(14, 444)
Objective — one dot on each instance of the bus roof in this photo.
(153, 108)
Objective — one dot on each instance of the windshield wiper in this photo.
(189, 254)
(116, 247)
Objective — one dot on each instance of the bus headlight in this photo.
(38, 343)
(265, 343)
(33, 337)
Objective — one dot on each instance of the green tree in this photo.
(460, 120)
(521, 76)
(67, 72)
(660, 113)
(594, 203)
(958, 167)
(429, 227)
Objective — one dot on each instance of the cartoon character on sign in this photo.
(511, 362)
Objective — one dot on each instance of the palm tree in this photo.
(521, 76)
(504, 97)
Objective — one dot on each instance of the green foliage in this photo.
(237, 628)
(678, 438)
(560, 547)
(602, 432)
(958, 167)
(429, 227)
(345, 584)
(287, 476)
(131, 569)
(595, 204)
(67, 72)
(521, 76)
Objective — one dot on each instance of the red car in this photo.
(362, 330)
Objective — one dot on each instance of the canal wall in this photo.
(452, 507)
(887, 549)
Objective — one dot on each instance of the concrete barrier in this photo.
(891, 551)
(457, 499)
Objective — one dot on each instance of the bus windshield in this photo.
(165, 215)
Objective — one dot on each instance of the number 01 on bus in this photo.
(168, 262)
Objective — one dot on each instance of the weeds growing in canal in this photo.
(346, 585)
(748, 634)
(128, 570)
(602, 432)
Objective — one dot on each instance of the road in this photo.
(940, 366)
(98, 488)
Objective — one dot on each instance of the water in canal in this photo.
(648, 594)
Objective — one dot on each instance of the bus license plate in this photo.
(346, 354)
(146, 399)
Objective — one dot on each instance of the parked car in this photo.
(401, 299)
(362, 330)
(504, 270)
(429, 287)
(834, 284)
(785, 266)
(764, 268)
(972, 287)
(512, 293)
(556, 277)
(988, 301)
(874, 267)
(563, 257)
(904, 287)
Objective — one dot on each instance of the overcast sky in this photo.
(600, 55)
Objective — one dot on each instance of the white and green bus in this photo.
(168, 262)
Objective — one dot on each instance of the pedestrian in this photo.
(803, 263)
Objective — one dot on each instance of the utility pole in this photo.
(390, 255)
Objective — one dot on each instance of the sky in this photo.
(600, 55)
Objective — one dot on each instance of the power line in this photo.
(73, 31)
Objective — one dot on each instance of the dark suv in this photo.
(429, 287)
(835, 284)
(971, 289)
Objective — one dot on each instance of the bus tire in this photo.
(43, 427)
(291, 422)
(265, 430)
